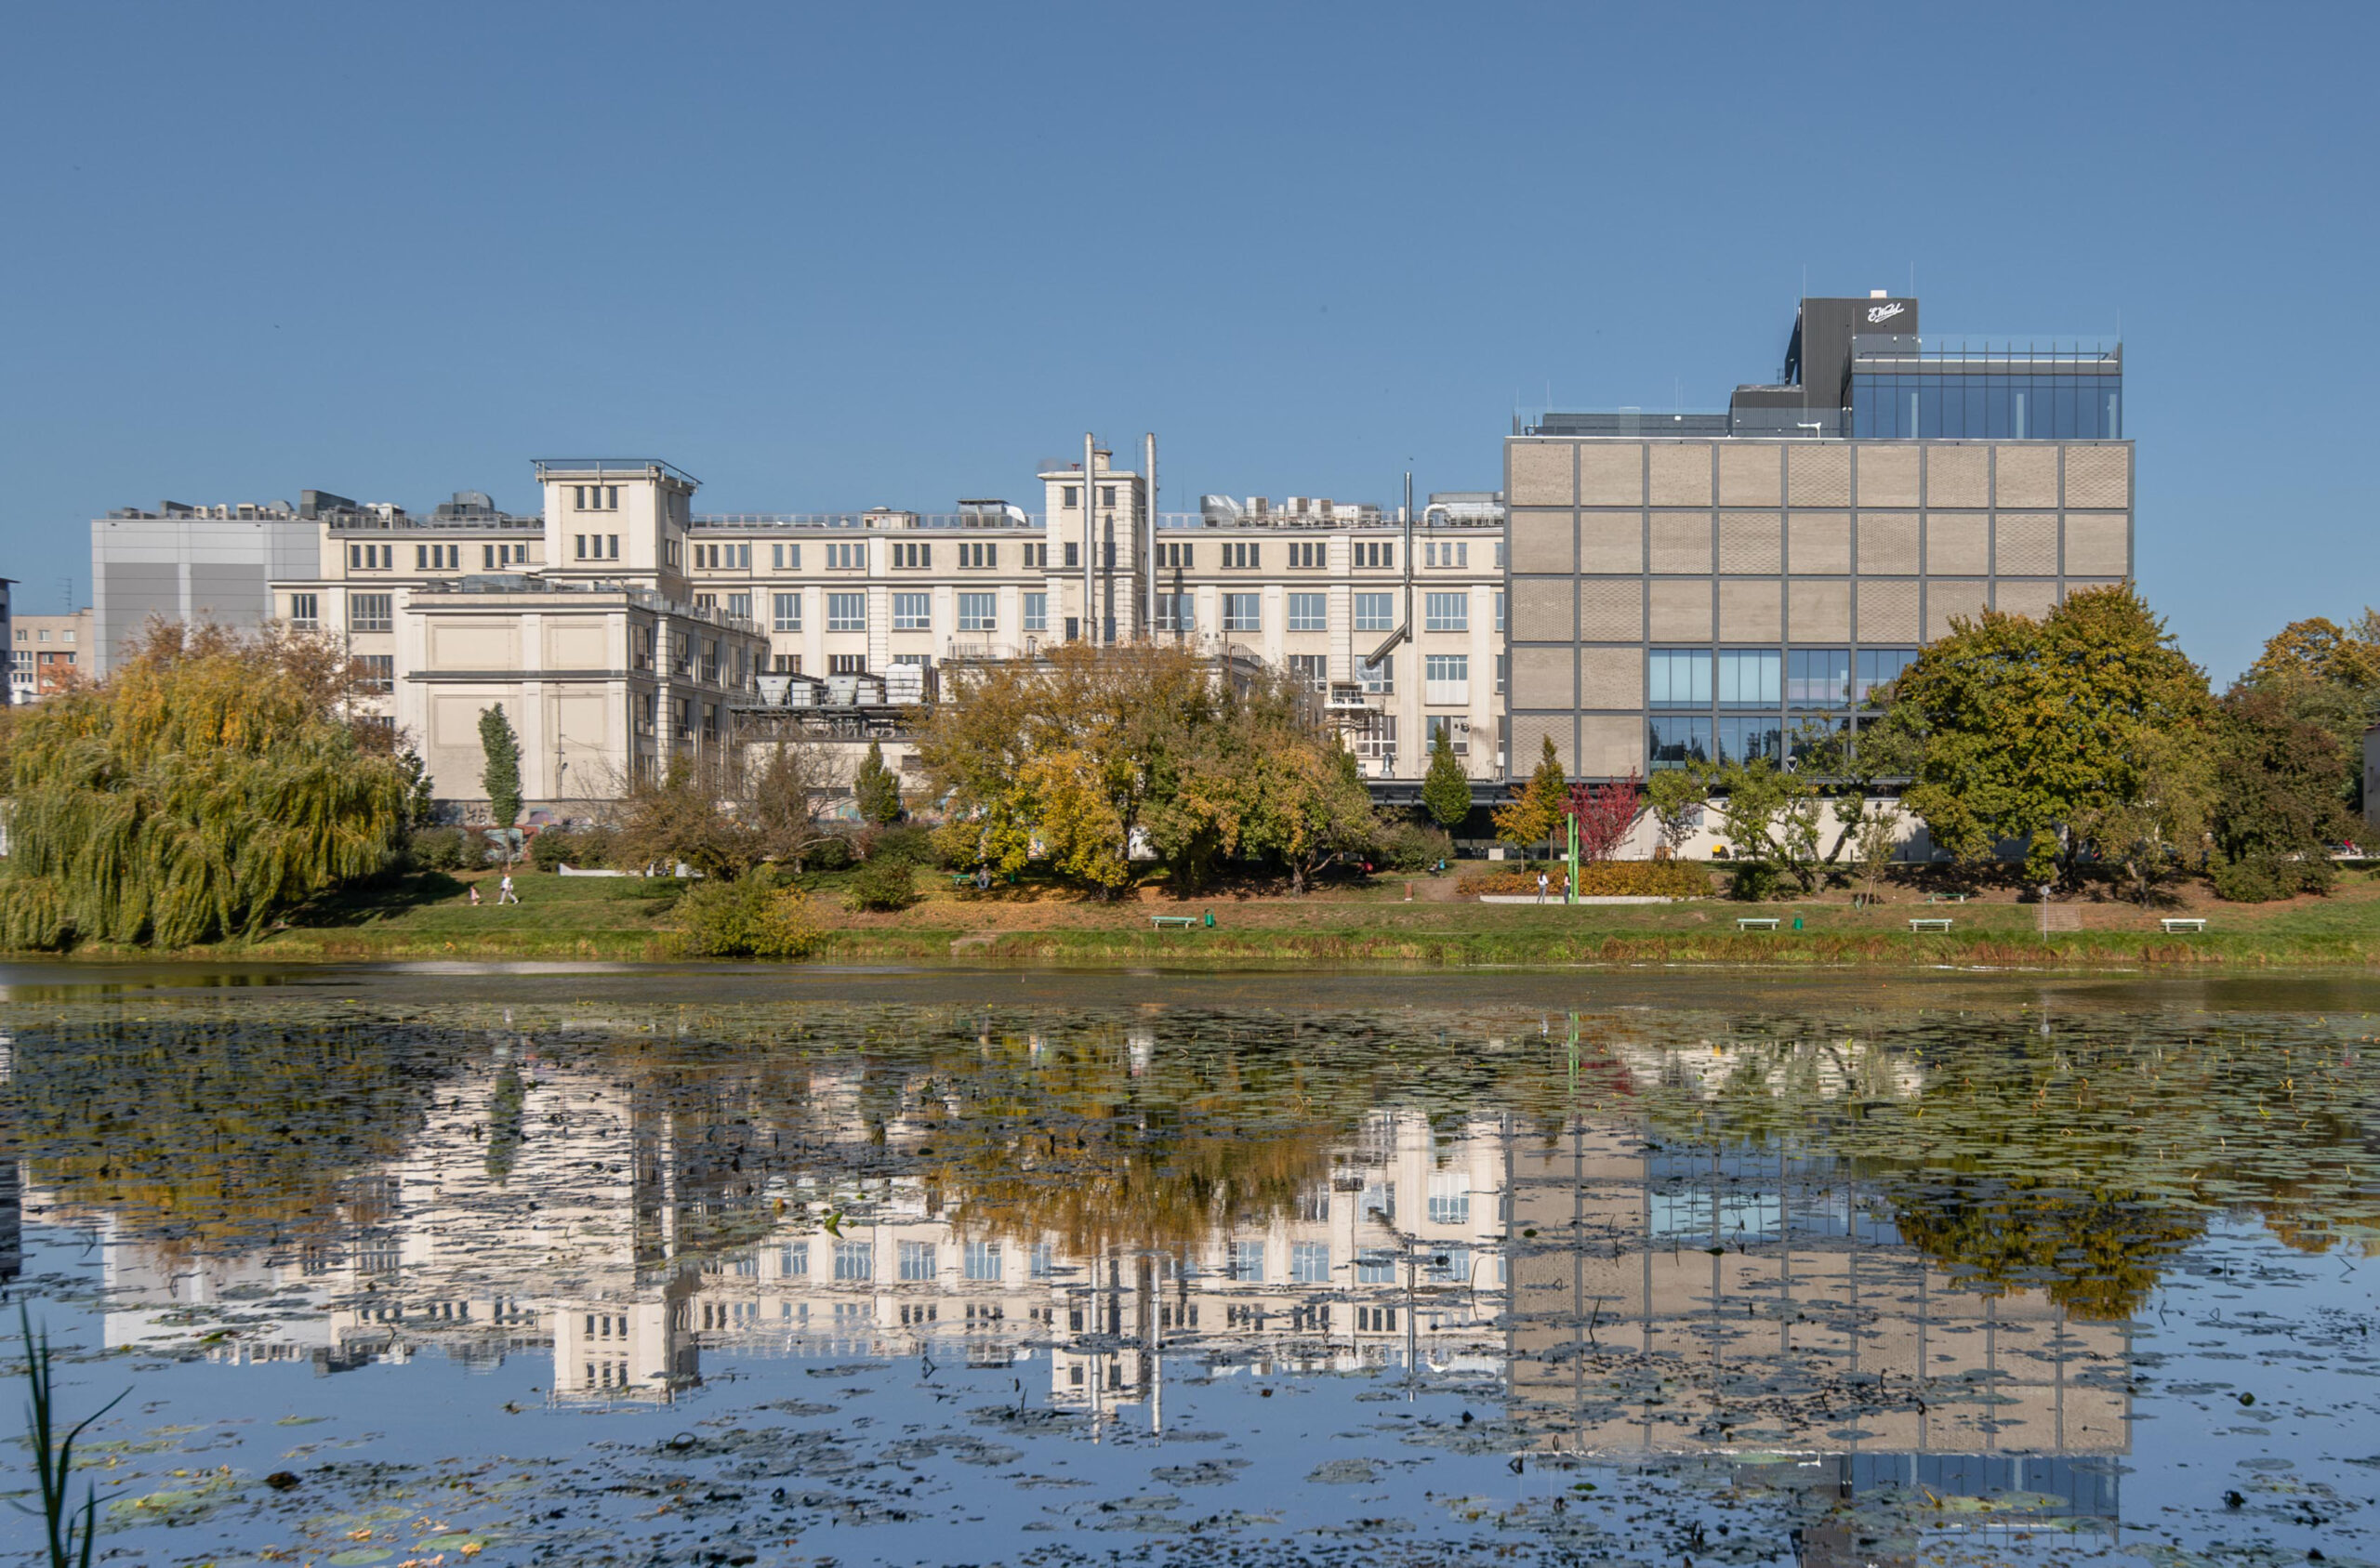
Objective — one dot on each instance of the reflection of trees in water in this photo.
(2078, 1160)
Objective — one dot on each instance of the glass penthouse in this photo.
(1689, 586)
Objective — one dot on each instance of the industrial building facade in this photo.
(1695, 587)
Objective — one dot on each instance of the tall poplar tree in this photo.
(500, 773)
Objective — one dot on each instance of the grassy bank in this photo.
(431, 917)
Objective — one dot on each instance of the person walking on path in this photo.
(1541, 887)
(505, 893)
(475, 895)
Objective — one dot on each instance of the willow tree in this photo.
(212, 783)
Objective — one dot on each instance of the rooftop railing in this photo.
(519, 584)
(610, 467)
(2104, 354)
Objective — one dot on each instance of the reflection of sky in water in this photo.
(568, 1301)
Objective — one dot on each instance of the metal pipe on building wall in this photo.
(1148, 556)
(1089, 540)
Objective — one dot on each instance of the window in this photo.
(1445, 678)
(1818, 676)
(613, 542)
(1174, 614)
(1454, 726)
(1073, 557)
(1500, 555)
(912, 555)
(850, 557)
(785, 664)
(1676, 740)
(370, 611)
(1244, 1261)
(723, 558)
(595, 497)
(785, 558)
(1036, 609)
(739, 605)
(1678, 678)
(1242, 611)
(1378, 676)
(912, 612)
(1309, 611)
(793, 1260)
(1743, 736)
(1310, 1263)
(916, 1261)
(984, 1260)
(448, 558)
(302, 612)
(496, 557)
(1447, 552)
(1038, 556)
(1371, 553)
(978, 554)
(1107, 495)
(670, 553)
(1174, 557)
(855, 1260)
(1070, 496)
(1879, 666)
(1446, 611)
(1751, 676)
(1043, 1262)
(1503, 665)
(1305, 555)
(978, 612)
(1449, 1197)
(1375, 611)
(1241, 555)
(1375, 1267)
(379, 671)
(847, 611)
(371, 557)
(846, 664)
(1310, 669)
(786, 611)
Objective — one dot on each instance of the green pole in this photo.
(1571, 894)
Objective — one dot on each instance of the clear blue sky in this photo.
(828, 257)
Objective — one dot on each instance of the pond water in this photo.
(466, 1264)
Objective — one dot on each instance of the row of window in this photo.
(2048, 406)
(595, 497)
(65, 635)
(1676, 740)
(445, 558)
(1311, 612)
(1801, 678)
(596, 546)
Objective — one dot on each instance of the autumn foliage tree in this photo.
(1606, 814)
(210, 785)
(1534, 813)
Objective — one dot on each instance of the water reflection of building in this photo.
(1621, 1299)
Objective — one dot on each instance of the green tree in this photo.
(500, 766)
(1772, 822)
(1676, 796)
(208, 786)
(1263, 779)
(877, 789)
(2276, 808)
(1446, 791)
(2328, 675)
(1534, 813)
(727, 810)
(2034, 732)
(420, 808)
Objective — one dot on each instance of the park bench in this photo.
(1938, 924)
(1162, 921)
(1946, 897)
(2176, 924)
(1755, 922)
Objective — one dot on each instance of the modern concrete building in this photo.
(1689, 586)
(183, 563)
(46, 652)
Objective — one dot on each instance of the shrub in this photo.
(883, 885)
(908, 844)
(437, 849)
(549, 849)
(1674, 879)
(1409, 846)
(1752, 881)
(2261, 880)
(832, 853)
(755, 917)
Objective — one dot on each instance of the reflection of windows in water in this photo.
(1375, 1320)
(1244, 1261)
(1311, 1320)
(1449, 1197)
(985, 1312)
(1182, 1315)
(848, 1312)
(855, 1260)
(747, 1266)
(1045, 1261)
(315, 1258)
(990, 1352)
(1244, 1317)
(983, 1260)
(1378, 1204)
(1375, 1267)
(1310, 1263)
(1446, 1265)
(1073, 1375)
(376, 1255)
(918, 1312)
(793, 1262)
(916, 1261)
(1313, 1204)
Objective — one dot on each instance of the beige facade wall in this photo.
(1611, 542)
(1543, 609)
(1751, 542)
(2026, 543)
(1887, 610)
(1888, 543)
(1541, 474)
(1817, 474)
(1680, 473)
(1751, 474)
(1610, 746)
(1682, 543)
(1888, 475)
(1820, 543)
(1958, 543)
(1611, 677)
(1951, 596)
(1611, 474)
(1958, 476)
(2025, 476)
(1818, 610)
(1750, 610)
(2098, 545)
(1680, 609)
(1545, 676)
(2031, 597)
(1542, 541)
(2098, 476)
(1611, 609)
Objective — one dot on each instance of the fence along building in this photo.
(1698, 586)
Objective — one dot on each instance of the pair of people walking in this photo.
(504, 893)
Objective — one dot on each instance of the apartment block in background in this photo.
(1703, 587)
(47, 652)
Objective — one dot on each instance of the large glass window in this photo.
(1676, 740)
(1744, 736)
(1173, 613)
(788, 611)
(1375, 1267)
(1751, 676)
(1242, 611)
(1375, 611)
(1310, 1263)
(2026, 405)
(978, 612)
(1679, 677)
(1879, 666)
(913, 611)
(370, 611)
(1378, 675)
(1244, 1261)
(1445, 678)
(1449, 1197)
(847, 611)
(916, 1261)
(1309, 611)
(1446, 611)
(983, 1260)
(855, 1260)
(1818, 678)
(1037, 611)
